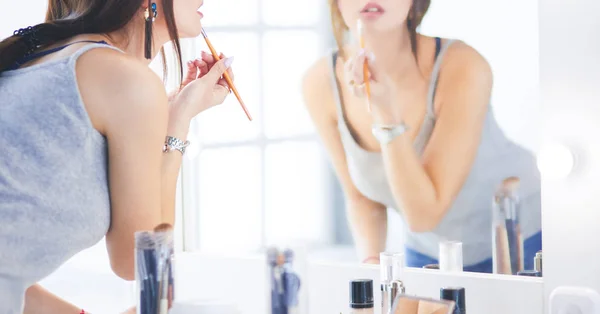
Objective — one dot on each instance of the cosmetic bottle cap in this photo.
(361, 294)
(529, 273)
(451, 259)
(457, 295)
(272, 255)
(397, 266)
(386, 266)
(288, 256)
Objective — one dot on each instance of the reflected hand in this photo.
(378, 82)
(203, 86)
(371, 260)
(130, 311)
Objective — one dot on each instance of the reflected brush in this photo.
(215, 55)
(361, 40)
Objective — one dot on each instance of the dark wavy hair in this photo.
(68, 18)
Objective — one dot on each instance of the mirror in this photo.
(406, 304)
(479, 187)
(290, 176)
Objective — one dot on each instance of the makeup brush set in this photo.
(154, 270)
(284, 282)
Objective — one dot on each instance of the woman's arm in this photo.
(425, 187)
(40, 301)
(368, 219)
(127, 102)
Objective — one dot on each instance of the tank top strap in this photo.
(435, 73)
(44, 53)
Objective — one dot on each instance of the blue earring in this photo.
(151, 13)
(154, 12)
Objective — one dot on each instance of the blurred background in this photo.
(246, 185)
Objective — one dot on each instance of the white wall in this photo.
(570, 80)
(19, 14)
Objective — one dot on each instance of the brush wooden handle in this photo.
(366, 76)
(227, 78)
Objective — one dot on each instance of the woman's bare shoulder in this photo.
(114, 85)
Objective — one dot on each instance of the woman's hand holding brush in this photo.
(202, 87)
(380, 97)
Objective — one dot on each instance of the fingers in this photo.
(210, 60)
(348, 75)
(359, 90)
(229, 71)
(190, 73)
(202, 67)
(358, 68)
(354, 82)
(207, 57)
(354, 73)
(219, 67)
(223, 83)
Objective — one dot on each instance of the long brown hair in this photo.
(68, 18)
(415, 17)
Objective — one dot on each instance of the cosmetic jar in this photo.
(529, 273)
(456, 294)
(361, 296)
(431, 266)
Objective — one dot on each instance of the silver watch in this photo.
(173, 143)
(386, 133)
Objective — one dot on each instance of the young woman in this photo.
(91, 143)
(429, 146)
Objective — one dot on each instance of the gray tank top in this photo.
(54, 197)
(469, 219)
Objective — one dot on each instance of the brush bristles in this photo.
(359, 27)
(511, 184)
(163, 227)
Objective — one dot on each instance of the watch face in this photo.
(385, 134)
(380, 134)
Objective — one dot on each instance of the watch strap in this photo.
(385, 133)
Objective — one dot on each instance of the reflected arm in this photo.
(426, 186)
(368, 219)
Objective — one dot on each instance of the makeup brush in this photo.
(510, 186)
(215, 55)
(164, 265)
(361, 40)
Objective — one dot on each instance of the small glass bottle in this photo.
(391, 266)
(537, 262)
(507, 240)
(451, 256)
(361, 297)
